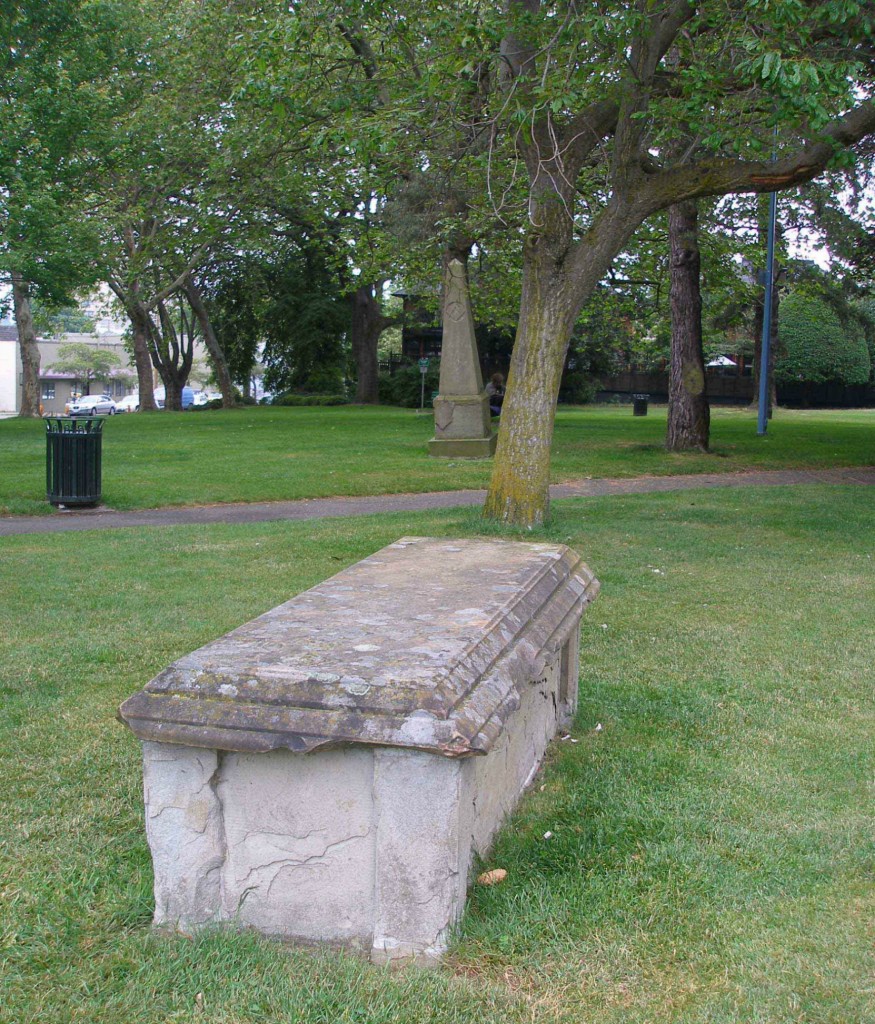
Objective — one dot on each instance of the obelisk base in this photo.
(462, 427)
(463, 447)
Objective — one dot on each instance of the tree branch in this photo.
(179, 282)
(665, 32)
(721, 176)
(516, 57)
(363, 50)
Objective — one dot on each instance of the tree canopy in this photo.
(86, 362)
(186, 141)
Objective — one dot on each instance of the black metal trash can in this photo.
(639, 405)
(73, 460)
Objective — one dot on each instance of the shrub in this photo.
(404, 386)
(293, 398)
(577, 388)
(323, 380)
(815, 347)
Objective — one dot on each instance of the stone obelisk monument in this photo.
(462, 421)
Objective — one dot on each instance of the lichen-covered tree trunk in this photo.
(519, 487)
(559, 276)
(27, 344)
(689, 415)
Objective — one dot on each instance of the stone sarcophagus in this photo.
(327, 771)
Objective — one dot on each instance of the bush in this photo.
(293, 398)
(577, 388)
(404, 387)
(815, 347)
(323, 380)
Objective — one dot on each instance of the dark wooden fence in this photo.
(732, 389)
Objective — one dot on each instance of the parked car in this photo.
(93, 405)
(130, 403)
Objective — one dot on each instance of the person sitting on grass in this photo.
(495, 393)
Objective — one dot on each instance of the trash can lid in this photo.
(74, 424)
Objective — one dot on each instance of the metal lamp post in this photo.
(763, 411)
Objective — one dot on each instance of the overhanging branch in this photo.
(721, 176)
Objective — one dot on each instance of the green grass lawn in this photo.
(266, 454)
(711, 859)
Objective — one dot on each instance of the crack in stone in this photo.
(213, 783)
(292, 862)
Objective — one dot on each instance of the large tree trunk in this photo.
(640, 181)
(172, 394)
(172, 353)
(143, 363)
(558, 278)
(365, 313)
(27, 343)
(217, 356)
(689, 415)
(519, 487)
(140, 326)
(366, 325)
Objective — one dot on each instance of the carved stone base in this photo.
(366, 848)
(462, 427)
(463, 447)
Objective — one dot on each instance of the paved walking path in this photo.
(319, 508)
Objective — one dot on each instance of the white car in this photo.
(130, 403)
(93, 405)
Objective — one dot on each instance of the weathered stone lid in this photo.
(422, 645)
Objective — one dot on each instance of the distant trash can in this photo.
(73, 460)
(639, 405)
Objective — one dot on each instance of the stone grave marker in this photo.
(327, 771)
(462, 420)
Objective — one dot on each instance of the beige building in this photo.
(56, 388)
(10, 370)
